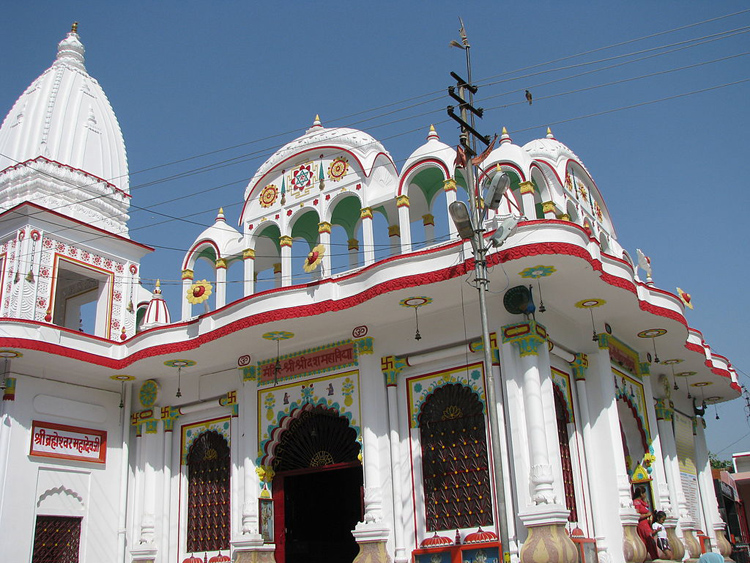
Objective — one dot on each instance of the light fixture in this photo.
(498, 185)
(460, 215)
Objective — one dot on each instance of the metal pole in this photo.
(480, 251)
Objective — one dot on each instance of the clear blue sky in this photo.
(188, 78)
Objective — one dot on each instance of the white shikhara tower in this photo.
(64, 200)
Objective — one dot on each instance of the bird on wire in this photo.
(528, 97)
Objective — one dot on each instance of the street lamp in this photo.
(470, 225)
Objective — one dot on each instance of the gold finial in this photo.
(505, 131)
(74, 27)
(549, 131)
(158, 283)
(432, 128)
(317, 117)
(221, 211)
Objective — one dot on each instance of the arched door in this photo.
(317, 490)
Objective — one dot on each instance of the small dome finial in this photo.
(157, 289)
(433, 134)
(74, 27)
(549, 133)
(504, 137)
(220, 216)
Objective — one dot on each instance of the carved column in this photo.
(285, 243)
(248, 543)
(714, 523)
(187, 281)
(615, 484)
(168, 417)
(665, 459)
(372, 534)
(367, 235)
(545, 520)
(391, 367)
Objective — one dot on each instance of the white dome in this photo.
(362, 145)
(64, 116)
(435, 149)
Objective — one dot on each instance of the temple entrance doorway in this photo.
(318, 493)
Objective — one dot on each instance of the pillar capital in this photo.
(428, 219)
(352, 244)
(9, 393)
(285, 240)
(324, 227)
(664, 409)
(365, 213)
(548, 207)
(187, 274)
(391, 366)
(248, 254)
(526, 187)
(527, 336)
(169, 416)
(402, 201)
(449, 185)
(221, 264)
(580, 364)
(394, 231)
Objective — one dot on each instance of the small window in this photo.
(56, 539)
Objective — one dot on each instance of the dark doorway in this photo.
(320, 510)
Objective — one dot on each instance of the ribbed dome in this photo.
(157, 313)
(65, 117)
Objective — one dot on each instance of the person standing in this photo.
(640, 503)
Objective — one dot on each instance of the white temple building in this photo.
(336, 408)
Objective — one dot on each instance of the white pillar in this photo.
(166, 513)
(708, 501)
(353, 247)
(324, 238)
(368, 235)
(187, 281)
(449, 187)
(580, 364)
(404, 222)
(150, 461)
(221, 283)
(124, 471)
(248, 285)
(391, 368)
(527, 199)
(428, 221)
(286, 260)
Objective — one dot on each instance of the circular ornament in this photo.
(122, 377)
(302, 177)
(714, 399)
(537, 272)
(652, 333)
(268, 195)
(278, 335)
(179, 363)
(702, 384)
(672, 362)
(243, 361)
(199, 292)
(686, 373)
(338, 169)
(415, 301)
(5, 353)
(590, 303)
(359, 331)
(148, 393)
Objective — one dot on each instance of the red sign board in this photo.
(68, 442)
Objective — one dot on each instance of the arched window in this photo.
(563, 418)
(208, 525)
(455, 465)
